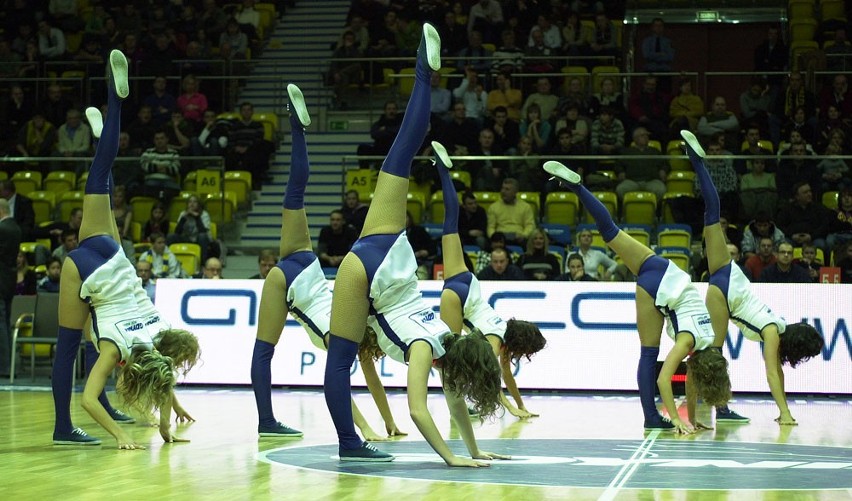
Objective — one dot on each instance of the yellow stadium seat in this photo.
(60, 181)
(43, 205)
(610, 201)
(362, 181)
(534, 199)
(799, 48)
(81, 181)
(3, 175)
(239, 181)
(461, 176)
(800, 9)
(680, 181)
(640, 207)
(178, 204)
(436, 207)
(681, 260)
(762, 143)
(190, 181)
(142, 208)
(26, 181)
(575, 72)
(802, 29)
(135, 231)
(641, 236)
(832, 9)
(820, 255)
(561, 207)
(67, 202)
(221, 207)
(486, 198)
(416, 205)
(674, 238)
(189, 256)
(406, 82)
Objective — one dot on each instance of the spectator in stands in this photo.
(354, 212)
(719, 119)
(160, 56)
(158, 222)
(795, 167)
(472, 93)
(487, 174)
(55, 106)
(422, 244)
(142, 130)
(247, 148)
(473, 222)
(192, 103)
(575, 270)
(483, 257)
(575, 94)
(649, 108)
(441, 99)
(193, 226)
(247, 15)
(657, 49)
(577, 126)
(212, 269)
(343, 73)
(20, 208)
(111, 37)
(753, 147)
(69, 243)
(839, 53)
(808, 262)
(528, 170)
(74, 137)
(36, 138)
(759, 228)
(179, 131)
(737, 258)
(383, 43)
(90, 54)
(724, 178)
(641, 174)
(408, 34)
(486, 17)
(804, 221)
(575, 36)
(161, 102)
(266, 260)
(235, 38)
(161, 165)
(197, 51)
(758, 192)
(143, 271)
(358, 28)
(212, 19)
(213, 138)
(164, 264)
(509, 57)
(685, 109)
(383, 131)
(30, 61)
(510, 215)
(123, 213)
(474, 55)
(460, 134)
(538, 57)
(15, 110)
(607, 136)
(833, 122)
(503, 95)
(609, 95)
(335, 240)
(506, 130)
(536, 127)
(131, 49)
(453, 35)
(771, 56)
(783, 270)
(791, 97)
(546, 101)
(50, 282)
(594, 259)
(833, 169)
(51, 41)
(500, 268)
(840, 226)
(65, 15)
(837, 94)
(756, 105)
(26, 280)
(800, 124)
(604, 40)
(551, 35)
(563, 146)
(763, 258)
(537, 262)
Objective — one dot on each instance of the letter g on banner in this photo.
(601, 301)
(220, 300)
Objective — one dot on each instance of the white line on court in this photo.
(629, 468)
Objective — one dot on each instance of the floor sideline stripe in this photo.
(628, 469)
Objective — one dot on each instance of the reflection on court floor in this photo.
(655, 463)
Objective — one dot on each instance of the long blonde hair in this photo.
(181, 346)
(147, 379)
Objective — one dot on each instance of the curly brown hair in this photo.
(472, 371)
(179, 345)
(709, 372)
(369, 348)
(147, 379)
(522, 339)
(798, 343)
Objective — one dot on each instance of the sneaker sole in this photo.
(659, 429)
(297, 101)
(71, 442)
(118, 68)
(433, 46)
(723, 420)
(558, 170)
(280, 435)
(368, 460)
(442, 155)
(693, 143)
(96, 121)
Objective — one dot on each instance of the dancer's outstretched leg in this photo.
(273, 302)
(451, 245)
(718, 257)
(649, 320)
(350, 305)
(72, 311)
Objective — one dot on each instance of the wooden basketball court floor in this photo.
(581, 447)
